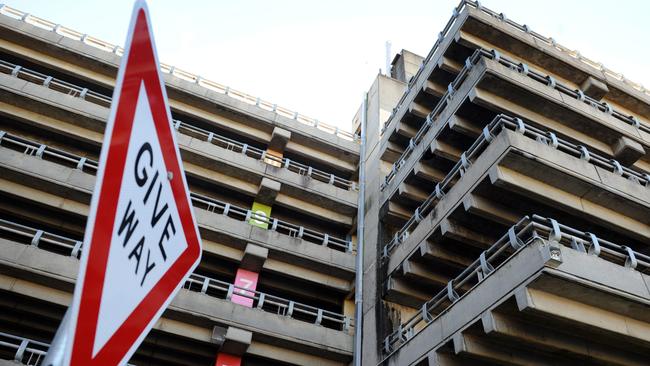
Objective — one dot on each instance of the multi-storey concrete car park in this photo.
(506, 217)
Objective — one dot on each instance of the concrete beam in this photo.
(434, 89)
(622, 213)
(581, 316)
(554, 339)
(453, 230)
(279, 139)
(267, 191)
(236, 341)
(391, 152)
(403, 292)
(421, 273)
(482, 349)
(437, 252)
(394, 214)
(405, 130)
(445, 150)
(427, 172)
(627, 151)
(594, 88)
(464, 126)
(483, 207)
(450, 65)
(412, 193)
(254, 257)
(419, 110)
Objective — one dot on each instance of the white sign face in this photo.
(141, 239)
(147, 228)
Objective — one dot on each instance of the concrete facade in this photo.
(237, 153)
(507, 206)
(500, 166)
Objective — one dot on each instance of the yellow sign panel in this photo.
(260, 216)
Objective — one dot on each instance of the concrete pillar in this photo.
(268, 191)
(279, 139)
(254, 257)
(275, 151)
(236, 341)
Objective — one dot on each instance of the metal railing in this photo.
(183, 127)
(480, 144)
(521, 27)
(519, 67)
(185, 75)
(518, 236)
(269, 303)
(282, 227)
(210, 204)
(25, 351)
(209, 286)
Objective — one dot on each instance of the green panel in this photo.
(260, 213)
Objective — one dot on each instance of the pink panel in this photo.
(246, 280)
(225, 359)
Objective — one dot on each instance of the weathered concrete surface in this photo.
(69, 190)
(53, 271)
(254, 257)
(482, 30)
(78, 59)
(536, 99)
(574, 290)
(549, 176)
(443, 122)
(84, 121)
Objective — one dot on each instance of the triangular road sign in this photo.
(141, 239)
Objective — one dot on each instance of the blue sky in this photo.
(318, 57)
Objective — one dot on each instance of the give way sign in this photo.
(141, 239)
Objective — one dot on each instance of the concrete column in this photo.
(382, 98)
(254, 257)
(268, 191)
(279, 139)
(234, 342)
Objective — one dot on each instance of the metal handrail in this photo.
(27, 351)
(523, 28)
(183, 127)
(521, 68)
(480, 144)
(269, 303)
(169, 69)
(213, 205)
(518, 236)
(206, 285)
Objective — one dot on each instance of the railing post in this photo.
(37, 238)
(76, 249)
(260, 301)
(20, 353)
(204, 286)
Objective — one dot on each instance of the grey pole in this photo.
(361, 212)
(54, 356)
